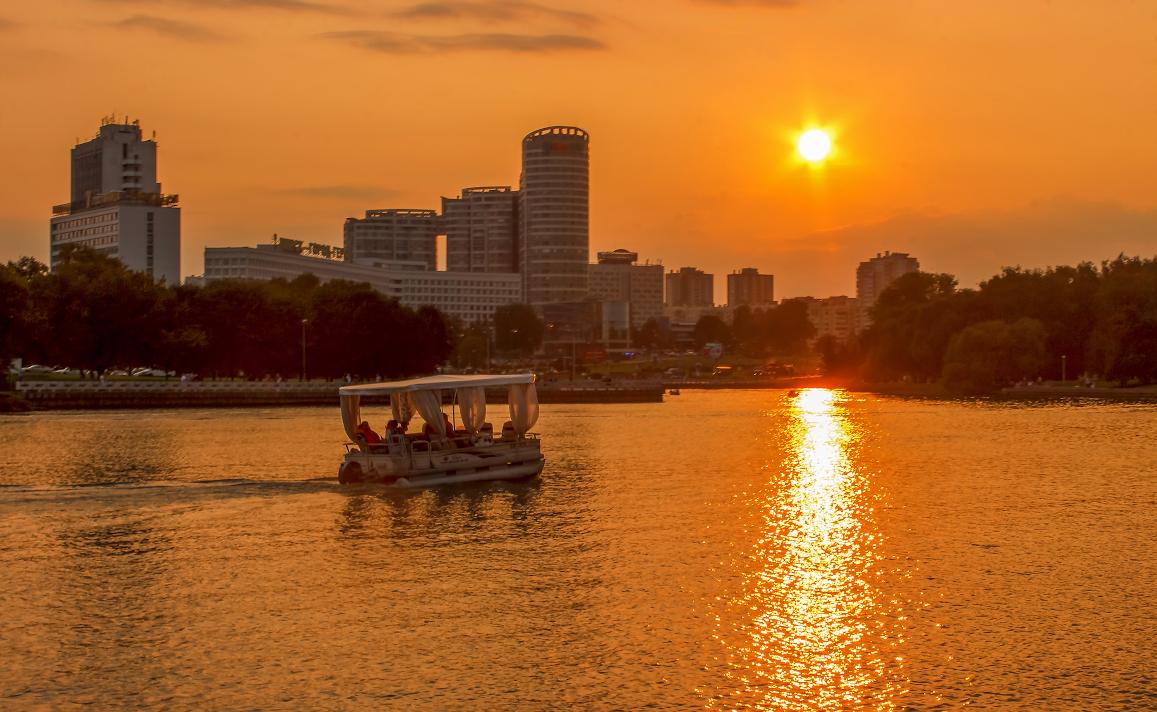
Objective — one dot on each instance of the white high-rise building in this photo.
(116, 204)
(554, 237)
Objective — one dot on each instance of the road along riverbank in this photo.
(93, 395)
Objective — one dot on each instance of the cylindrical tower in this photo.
(554, 240)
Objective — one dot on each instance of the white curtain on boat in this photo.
(472, 404)
(429, 406)
(402, 407)
(523, 401)
(351, 415)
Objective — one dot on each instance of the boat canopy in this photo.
(425, 396)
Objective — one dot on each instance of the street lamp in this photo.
(303, 323)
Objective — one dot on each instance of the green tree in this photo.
(651, 335)
(1124, 343)
(93, 313)
(14, 316)
(517, 328)
(787, 327)
(991, 354)
(710, 329)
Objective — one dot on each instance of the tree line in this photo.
(1015, 326)
(754, 333)
(94, 314)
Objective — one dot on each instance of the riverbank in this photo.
(13, 403)
(93, 395)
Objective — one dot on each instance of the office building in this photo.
(748, 286)
(874, 276)
(468, 296)
(617, 277)
(690, 287)
(554, 235)
(400, 235)
(116, 206)
(481, 230)
(839, 317)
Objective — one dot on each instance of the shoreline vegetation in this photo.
(1022, 333)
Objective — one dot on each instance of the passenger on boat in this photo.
(392, 428)
(368, 434)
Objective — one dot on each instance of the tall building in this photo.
(116, 204)
(554, 239)
(690, 287)
(405, 235)
(618, 278)
(874, 276)
(748, 286)
(481, 230)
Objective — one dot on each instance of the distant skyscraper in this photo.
(554, 240)
(690, 287)
(617, 278)
(397, 235)
(481, 230)
(874, 276)
(748, 286)
(116, 204)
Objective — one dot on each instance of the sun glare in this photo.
(814, 145)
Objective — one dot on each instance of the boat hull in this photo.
(499, 461)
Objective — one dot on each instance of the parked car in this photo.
(38, 368)
(145, 371)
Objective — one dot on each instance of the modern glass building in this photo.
(554, 240)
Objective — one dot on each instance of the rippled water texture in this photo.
(722, 550)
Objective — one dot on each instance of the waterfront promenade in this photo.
(84, 395)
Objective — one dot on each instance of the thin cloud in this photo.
(511, 11)
(291, 5)
(344, 192)
(775, 4)
(6, 24)
(169, 28)
(398, 43)
(286, 5)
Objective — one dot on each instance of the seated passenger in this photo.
(368, 434)
(392, 428)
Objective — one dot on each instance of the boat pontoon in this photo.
(439, 456)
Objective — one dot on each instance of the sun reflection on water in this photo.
(815, 630)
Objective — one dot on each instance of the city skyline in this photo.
(954, 137)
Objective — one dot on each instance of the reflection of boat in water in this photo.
(674, 392)
(438, 457)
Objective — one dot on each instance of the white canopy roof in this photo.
(430, 383)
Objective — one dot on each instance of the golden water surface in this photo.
(721, 550)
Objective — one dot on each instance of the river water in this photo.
(722, 550)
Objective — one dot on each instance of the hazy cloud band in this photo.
(398, 43)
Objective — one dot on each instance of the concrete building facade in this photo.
(468, 296)
(117, 207)
(690, 287)
(839, 317)
(116, 160)
(481, 230)
(748, 286)
(554, 234)
(874, 276)
(394, 234)
(617, 277)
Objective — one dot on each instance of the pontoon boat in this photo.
(467, 454)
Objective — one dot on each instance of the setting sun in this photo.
(814, 145)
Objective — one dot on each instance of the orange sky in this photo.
(972, 133)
